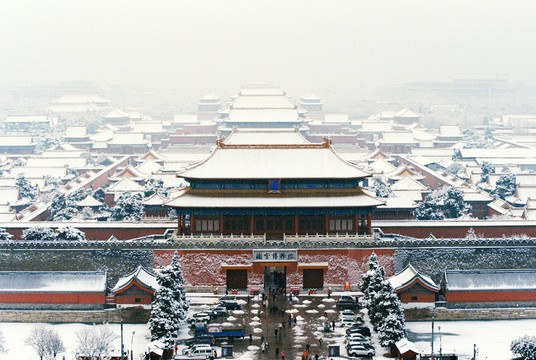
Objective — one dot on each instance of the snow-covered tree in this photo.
(372, 279)
(26, 188)
(45, 341)
(169, 306)
(39, 233)
(392, 329)
(487, 169)
(69, 233)
(95, 342)
(52, 181)
(453, 205)
(4, 235)
(128, 207)
(383, 189)
(430, 208)
(99, 195)
(505, 186)
(153, 186)
(455, 168)
(524, 347)
(63, 207)
(385, 313)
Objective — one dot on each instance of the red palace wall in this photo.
(131, 299)
(207, 267)
(490, 296)
(52, 298)
(406, 297)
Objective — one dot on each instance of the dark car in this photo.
(360, 329)
(229, 305)
(227, 298)
(347, 302)
(219, 311)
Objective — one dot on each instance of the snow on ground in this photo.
(16, 333)
(492, 338)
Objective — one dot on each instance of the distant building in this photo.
(414, 287)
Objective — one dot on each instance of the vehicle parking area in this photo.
(315, 323)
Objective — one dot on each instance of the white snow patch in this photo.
(299, 318)
(238, 312)
(257, 330)
(255, 318)
(330, 311)
(321, 306)
(253, 347)
(306, 302)
(254, 323)
(241, 302)
(311, 311)
(231, 318)
(292, 311)
(255, 306)
(328, 300)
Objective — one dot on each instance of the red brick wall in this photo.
(204, 267)
(131, 299)
(490, 296)
(52, 298)
(406, 297)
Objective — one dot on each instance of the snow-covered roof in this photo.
(130, 172)
(148, 127)
(154, 200)
(73, 162)
(210, 97)
(405, 346)
(16, 140)
(450, 131)
(188, 198)
(39, 172)
(89, 201)
(376, 126)
(406, 113)
(381, 166)
(149, 167)
(266, 137)
(52, 281)
(9, 194)
(27, 119)
(399, 137)
(81, 99)
(491, 279)
(399, 203)
(115, 114)
(408, 276)
(76, 132)
(125, 184)
(262, 102)
(186, 119)
(336, 118)
(141, 275)
(409, 183)
(263, 116)
(128, 139)
(260, 89)
(265, 162)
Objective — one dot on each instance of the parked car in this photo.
(230, 305)
(364, 343)
(359, 350)
(360, 329)
(227, 298)
(349, 314)
(353, 336)
(219, 311)
(347, 302)
(200, 316)
(199, 350)
(204, 339)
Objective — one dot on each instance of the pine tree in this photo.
(383, 189)
(4, 235)
(129, 207)
(39, 233)
(372, 279)
(69, 233)
(505, 186)
(454, 206)
(26, 189)
(391, 330)
(169, 305)
(384, 303)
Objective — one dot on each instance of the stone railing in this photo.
(328, 237)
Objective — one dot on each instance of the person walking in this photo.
(282, 355)
(276, 352)
(262, 339)
(320, 341)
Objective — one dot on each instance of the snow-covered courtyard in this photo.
(16, 333)
(492, 338)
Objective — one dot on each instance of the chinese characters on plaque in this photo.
(275, 255)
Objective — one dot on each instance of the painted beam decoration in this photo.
(275, 255)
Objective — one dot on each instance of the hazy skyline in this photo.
(216, 46)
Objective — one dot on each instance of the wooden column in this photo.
(221, 224)
(192, 224)
(326, 224)
(251, 223)
(369, 223)
(296, 224)
(179, 225)
(356, 224)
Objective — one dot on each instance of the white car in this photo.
(349, 314)
(199, 317)
(361, 351)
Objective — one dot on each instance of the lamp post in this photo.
(121, 315)
(432, 354)
(440, 345)
(131, 346)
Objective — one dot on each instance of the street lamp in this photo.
(121, 315)
(131, 348)
(440, 346)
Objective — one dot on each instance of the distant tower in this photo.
(313, 105)
(208, 106)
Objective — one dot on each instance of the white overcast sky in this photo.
(211, 46)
